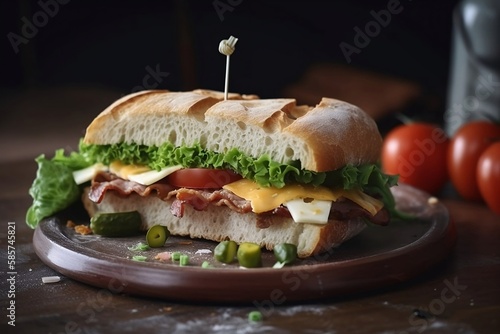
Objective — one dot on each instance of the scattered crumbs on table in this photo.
(83, 229)
(70, 223)
(203, 251)
(163, 256)
(51, 279)
(166, 309)
(433, 200)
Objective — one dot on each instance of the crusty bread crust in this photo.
(221, 223)
(337, 133)
(323, 138)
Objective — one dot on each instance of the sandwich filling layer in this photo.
(55, 187)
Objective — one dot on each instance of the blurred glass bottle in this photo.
(474, 85)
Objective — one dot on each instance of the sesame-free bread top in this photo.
(324, 137)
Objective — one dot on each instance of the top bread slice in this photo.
(323, 138)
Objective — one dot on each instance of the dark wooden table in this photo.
(462, 295)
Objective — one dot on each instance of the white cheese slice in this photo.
(310, 211)
(152, 176)
(86, 174)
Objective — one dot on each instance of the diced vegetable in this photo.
(255, 316)
(249, 255)
(176, 256)
(183, 260)
(140, 246)
(206, 264)
(285, 253)
(225, 251)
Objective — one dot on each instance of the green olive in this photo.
(157, 236)
(249, 255)
(285, 253)
(225, 251)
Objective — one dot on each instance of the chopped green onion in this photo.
(286, 253)
(176, 256)
(139, 258)
(206, 264)
(140, 246)
(279, 265)
(255, 316)
(183, 260)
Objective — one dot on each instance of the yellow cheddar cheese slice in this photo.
(264, 199)
(124, 171)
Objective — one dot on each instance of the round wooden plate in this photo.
(378, 257)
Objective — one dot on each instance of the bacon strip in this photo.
(104, 182)
(200, 199)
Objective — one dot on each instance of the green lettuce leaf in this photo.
(54, 188)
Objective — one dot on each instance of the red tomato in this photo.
(417, 152)
(488, 176)
(202, 178)
(466, 146)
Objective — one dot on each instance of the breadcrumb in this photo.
(83, 229)
(433, 200)
(163, 256)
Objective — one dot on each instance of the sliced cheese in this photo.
(365, 201)
(313, 212)
(86, 174)
(268, 198)
(265, 199)
(153, 176)
(124, 171)
(140, 173)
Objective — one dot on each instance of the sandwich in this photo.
(266, 171)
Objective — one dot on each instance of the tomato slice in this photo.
(202, 178)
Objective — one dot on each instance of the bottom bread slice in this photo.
(220, 223)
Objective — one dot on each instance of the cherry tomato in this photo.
(488, 176)
(202, 178)
(417, 152)
(466, 146)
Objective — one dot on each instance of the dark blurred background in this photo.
(285, 49)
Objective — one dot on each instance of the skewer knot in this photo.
(226, 46)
